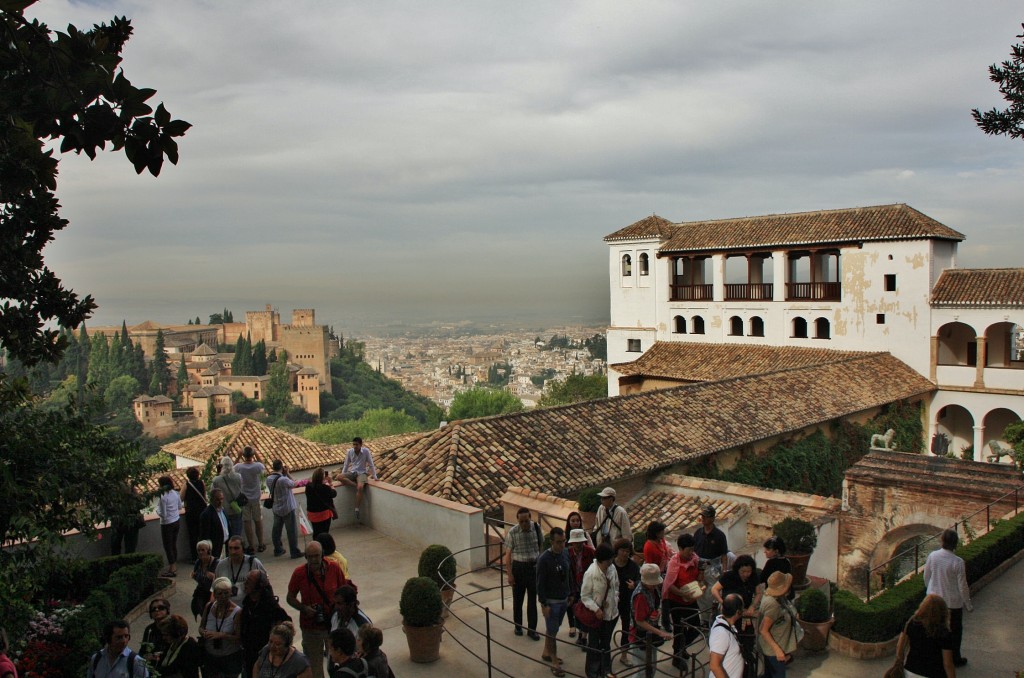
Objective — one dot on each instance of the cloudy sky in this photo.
(385, 161)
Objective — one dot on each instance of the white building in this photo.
(865, 279)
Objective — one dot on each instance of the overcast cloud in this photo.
(382, 160)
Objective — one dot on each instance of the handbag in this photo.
(896, 670)
(268, 503)
(587, 617)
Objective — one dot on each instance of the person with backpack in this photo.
(523, 543)
(344, 662)
(611, 522)
(723, 641)
(115, 659)
(645, 614)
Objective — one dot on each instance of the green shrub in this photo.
(437, 562)
(588, 500)
(799, 535)
(813, 606)
(420, 604)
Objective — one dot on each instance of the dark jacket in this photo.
(554, 580)
(255, 622)
(211, 528)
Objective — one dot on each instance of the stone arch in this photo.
(957, 423)
(822, 328)
(627, 265)
(643, 262)
(757, 326)
(799, 328)
(1001, 345)
(957, 344)
(888, 545)
(736, 326)
(679, 325)
(995, 423)
(697, 325)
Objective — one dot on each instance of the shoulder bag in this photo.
(896, 670)
(587, 617)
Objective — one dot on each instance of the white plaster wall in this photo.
(853, 321)
(979, 405)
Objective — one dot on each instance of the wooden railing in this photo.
(691, 293)
(741, 291)
(823, 291)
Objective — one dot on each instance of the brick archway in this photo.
(890, 495)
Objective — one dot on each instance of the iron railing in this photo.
(658, 660)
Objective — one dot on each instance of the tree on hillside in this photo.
(121, 391)
(483, 402)
(1010, 77)
(159, 366)
(182, 377)
(241, 364)
(575, 388)
(373, 424)
(259, 358)
(277, 395)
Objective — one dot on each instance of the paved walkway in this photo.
(993, 636)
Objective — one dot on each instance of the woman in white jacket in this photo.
(600, 592)
(169, 507)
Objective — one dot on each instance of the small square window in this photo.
(632, 345)
(879, 318)
(890, 282)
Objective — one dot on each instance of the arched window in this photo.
(627, 265)
(822, 329)
(680, 325)
(643, 264)
(736, 326)
(756, 327)
(697, 325)
(799, 328)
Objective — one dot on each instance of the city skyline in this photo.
(390, 161)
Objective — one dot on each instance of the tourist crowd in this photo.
(244, 630)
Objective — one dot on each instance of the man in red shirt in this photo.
(311, 592)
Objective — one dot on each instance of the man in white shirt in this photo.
(946, 576)
(726, 655)
(357, 468)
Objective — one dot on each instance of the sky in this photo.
(387, 162)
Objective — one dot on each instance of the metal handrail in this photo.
(987, 509)
(662, 665)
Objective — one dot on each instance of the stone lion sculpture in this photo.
(883, 442)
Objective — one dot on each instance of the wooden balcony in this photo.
(691, 292)
(818, 291)
(747, 291)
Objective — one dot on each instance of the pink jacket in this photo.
(680, 574)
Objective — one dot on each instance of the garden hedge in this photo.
(128, 581)
(884, 617)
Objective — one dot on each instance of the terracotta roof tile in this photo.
(679, 511)
(882, 222)
(688, 361)
(986, 287)
(561, 450)
(273, 443)
(651, 227)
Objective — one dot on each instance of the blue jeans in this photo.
(286, 521)
(552, 622)
(773, 668)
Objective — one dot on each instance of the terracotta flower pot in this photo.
(447, 596)
(815, 635)
(799, 562)
(424, 642)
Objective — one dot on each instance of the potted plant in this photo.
(420, 606)
(812, 606)
(588, 502)
(437, 563)
(800, 538)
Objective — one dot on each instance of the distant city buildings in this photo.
(439, 368)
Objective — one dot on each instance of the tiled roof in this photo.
(308, 370)
(999, 287)
(679, 511)
(883, 222)
(207, 391)
(153, 399)
(273, 443)
(561, 450)
(204, 349)
(651, 227)
(147, 325)
(688, 361)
